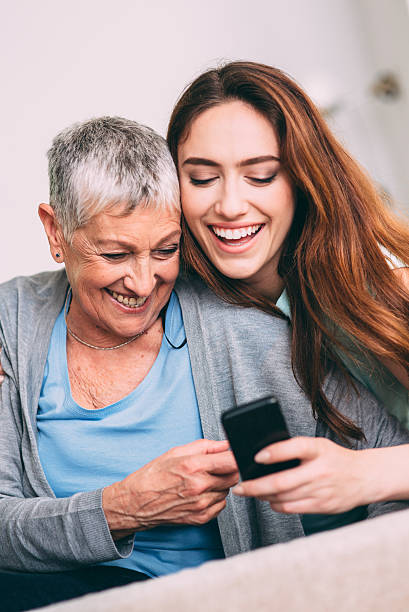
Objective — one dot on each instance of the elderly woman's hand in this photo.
(330, 478)
(185, 486)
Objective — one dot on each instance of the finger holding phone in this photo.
(295, 475)
(330, 478)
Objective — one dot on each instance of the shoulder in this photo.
(195, 296)
(25, 300)
(42, 284)
(192, 289)
(210, 317)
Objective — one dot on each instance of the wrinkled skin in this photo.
(185, 486)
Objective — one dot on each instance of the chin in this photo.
(243, 275)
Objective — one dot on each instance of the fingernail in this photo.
(1, 378)
(262, 456)
(238, 490)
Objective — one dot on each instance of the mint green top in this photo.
(372, 374)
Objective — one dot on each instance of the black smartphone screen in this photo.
(251, 427)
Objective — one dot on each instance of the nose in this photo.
(140, 278)
(231, 202)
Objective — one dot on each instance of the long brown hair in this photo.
(333, 268)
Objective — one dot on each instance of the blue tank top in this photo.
(83, 450)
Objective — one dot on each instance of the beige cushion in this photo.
(362, 567)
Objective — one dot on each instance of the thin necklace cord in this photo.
(78, 339)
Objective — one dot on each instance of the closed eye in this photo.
(262, 181)
(167, 252)
(114, 256)
(196, 181)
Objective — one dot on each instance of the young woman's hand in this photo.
(330, 478)
(187, 485)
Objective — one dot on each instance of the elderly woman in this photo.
(105, 476)
(98, 384)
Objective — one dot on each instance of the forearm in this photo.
(46, 534)
(384, 462)
(114, 503)
(42, 533)
(385, 472)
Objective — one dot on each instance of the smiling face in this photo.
(236, 198)
(122, 269)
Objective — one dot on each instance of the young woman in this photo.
(278, 215)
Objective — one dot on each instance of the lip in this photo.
(232, 249)
(128, 310)
(234, 225)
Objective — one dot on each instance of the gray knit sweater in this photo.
(237, 355)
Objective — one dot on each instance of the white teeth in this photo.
(128, 301)
(237, 233)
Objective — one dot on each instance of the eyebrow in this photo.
(202, 161)
(107, 242)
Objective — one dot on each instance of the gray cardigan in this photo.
(237, 355)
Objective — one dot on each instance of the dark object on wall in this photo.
(386, 86)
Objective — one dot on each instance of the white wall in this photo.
(385, 24)
(64, 61)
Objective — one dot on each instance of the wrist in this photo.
(120, 522)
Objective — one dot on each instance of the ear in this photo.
(53, 231)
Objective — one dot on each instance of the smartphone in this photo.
(251, 427)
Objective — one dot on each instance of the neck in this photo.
(268, 286)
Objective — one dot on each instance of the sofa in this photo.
(362, 567)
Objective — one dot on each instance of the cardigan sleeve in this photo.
(39, 533)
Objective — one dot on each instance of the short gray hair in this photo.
(105, 161)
